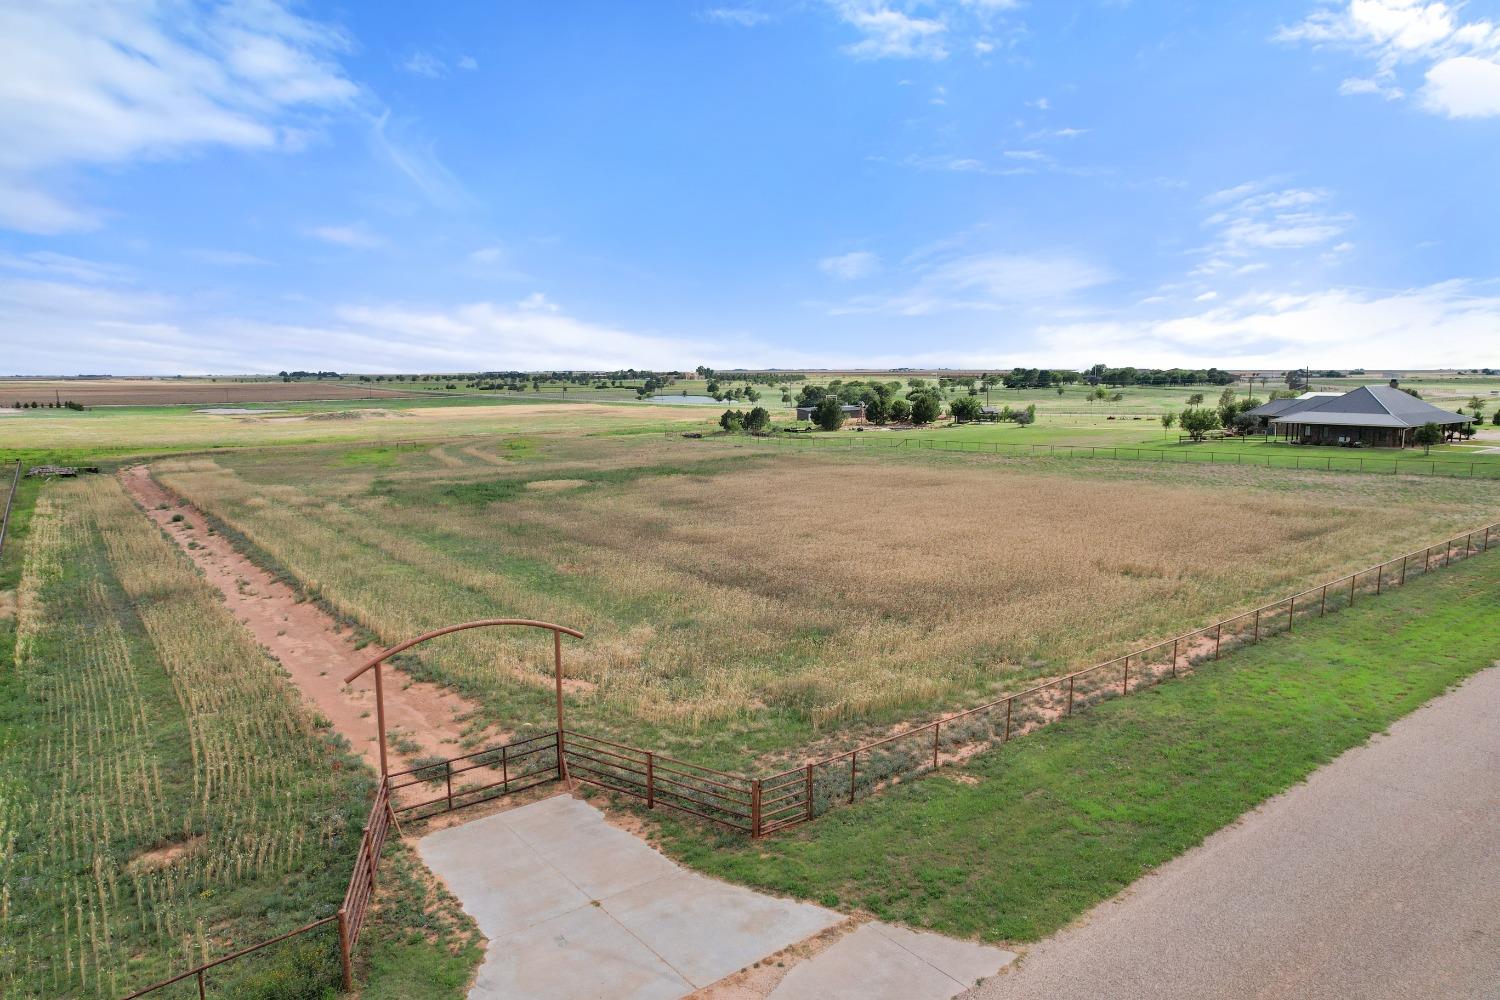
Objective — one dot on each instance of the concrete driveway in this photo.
(1377, 878)
(575, 908)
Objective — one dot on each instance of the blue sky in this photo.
(975, 183)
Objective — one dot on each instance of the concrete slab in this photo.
(881, 962)
(707, 929)
(512, 889)
(583, 954)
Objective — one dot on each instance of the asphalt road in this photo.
(1379, 877)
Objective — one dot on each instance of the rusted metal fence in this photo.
(503, 770)
(10, 502)
(350, 917)
(758, 806)
(895, 441)
(761, 806)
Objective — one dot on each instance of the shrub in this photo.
(965, 408)
(757, 419)
(925, 408)
(1198, 421)
(899, 410)
(1428, 435)
(829, 414)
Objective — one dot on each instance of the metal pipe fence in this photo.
(759, 806)
(894, 441)
(10, 502)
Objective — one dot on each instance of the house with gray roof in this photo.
(1372, 416)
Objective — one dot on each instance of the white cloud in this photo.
(424, 63)
(1461, 59)
(417, 160)
(468, 63)
(1248, 220)
(851, 266)
(941, 280)
(355, 237)
(1463, 87)
(109, 83)
(890, 33)
(739, 17)
(1450, 324)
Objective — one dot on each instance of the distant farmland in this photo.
(164, 392)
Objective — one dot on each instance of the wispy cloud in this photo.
(395, 141)
(738, 17)
(87, 85)
(424, 62)
(355, 237)
(1248, 220)
(888, 33)
(944, 278)
(850, 266)
(1459, 59)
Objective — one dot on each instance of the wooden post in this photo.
(852, 758)
(1379, 579)
(505, 769)
(1427, 560)
(1218, 634)
(936, 727)
(448, 780)
(808, 791)
(1125, 679)
(201, 994)
(1174, 657)
(1008, 703)
(754, 808)
(651, 780)
(1403, 571)
(1257, 626)
(1323, 602)
(1291, 612)
(344, 957)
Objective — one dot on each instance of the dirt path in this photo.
(315, 650)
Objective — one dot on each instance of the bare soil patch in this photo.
(555, 485)
(315, 650)
(159, 392)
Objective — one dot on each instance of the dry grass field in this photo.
(743, 602)
(165, 392)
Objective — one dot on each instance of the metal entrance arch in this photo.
(558, 631)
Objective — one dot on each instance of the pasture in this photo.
(166, 798)
(166, 392)
(742, 602)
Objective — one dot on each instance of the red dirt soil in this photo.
(313, 648)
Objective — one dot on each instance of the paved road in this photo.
(1377, 878)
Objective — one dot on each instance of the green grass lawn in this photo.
(1026, 838)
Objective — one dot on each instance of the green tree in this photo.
(1167, 420)
(829, 414)
(925, 408)
(878, 410)
(1196, 399)
(732, 421)
(965, 408)
(757, 419)
(900, 411)
(1198, 421)
(1026, 417)
(1428, 435)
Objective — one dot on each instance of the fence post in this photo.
(936, 727)
(808, 791)
(1257, 626)
(344, 957)
(201, 994)
(1291, 612)
(754, 808)
(1218, 634)
(1125, 680)
(505, 769)
(1323, 602)
(853, 757)
(448, 780)
(1071, 678)
(1352, 581)
(1008, 703)
(1427, 560)
(1403, 571)
(651, 780)
(1174, 657)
